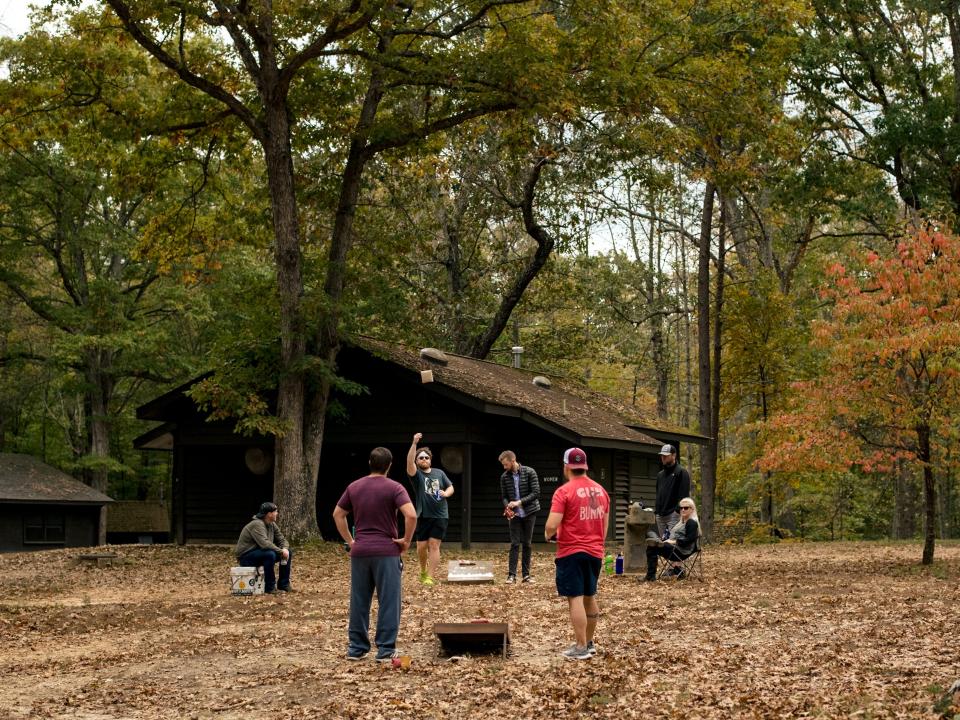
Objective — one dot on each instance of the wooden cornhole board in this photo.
(457, 638)
(470, 572)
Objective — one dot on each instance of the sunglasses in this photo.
(686, 507)
(423, 457)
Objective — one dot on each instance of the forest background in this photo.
(730, 216)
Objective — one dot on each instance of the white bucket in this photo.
(246, 581)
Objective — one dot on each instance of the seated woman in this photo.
(680, 543)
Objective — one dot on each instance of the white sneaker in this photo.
(577, 652)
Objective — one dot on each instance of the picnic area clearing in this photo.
(823, 630)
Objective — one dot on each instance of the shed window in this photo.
(44, 528)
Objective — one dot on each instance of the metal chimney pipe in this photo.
(516, 351)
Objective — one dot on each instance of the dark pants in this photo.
(258, 557)
(383, 574)
(521, 535)
(670, 552)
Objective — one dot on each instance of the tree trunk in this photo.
(929, 493)
(708, 453)
(294, 486)
(99, 390)
(480, 345)
(326, 340)
(953, 23)
(658, 338)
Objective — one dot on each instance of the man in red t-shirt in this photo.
(578, 520)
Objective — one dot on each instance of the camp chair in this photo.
(691, 566)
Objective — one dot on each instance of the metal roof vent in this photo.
(541, 381)
(434, 355)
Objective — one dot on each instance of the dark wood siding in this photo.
(220, 493)
(79, 525)
(643, 478)
(215, 494)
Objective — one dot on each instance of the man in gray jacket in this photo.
(520, 495)
(262, 543)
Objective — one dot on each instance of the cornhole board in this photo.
(470, 571)
(456, 638)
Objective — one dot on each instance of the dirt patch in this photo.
(794, 630)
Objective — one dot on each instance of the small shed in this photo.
(138, 521)
(42, 507)
(469, 410)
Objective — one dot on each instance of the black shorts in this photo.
(428, 527)
(577, 574)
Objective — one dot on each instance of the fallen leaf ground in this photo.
(819, 630)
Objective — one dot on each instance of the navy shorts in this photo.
(428, 527)
(577, 574)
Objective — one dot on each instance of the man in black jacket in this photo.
(673, 484)
(520, 494)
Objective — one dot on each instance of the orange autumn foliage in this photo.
(891, 347)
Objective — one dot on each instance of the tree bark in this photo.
(929, 493)
(708, 453)
(480, 345)
(98, 393)
(658, 338)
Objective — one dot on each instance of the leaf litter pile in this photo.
(794, 630)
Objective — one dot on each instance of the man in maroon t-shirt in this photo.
(579, 513)
(375, 554)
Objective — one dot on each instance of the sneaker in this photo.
(527, 579)
(284, 588)
(389, 657)
(577, 652)
(649, 578)
(511, 579)
(357, 656)
(427, 580)
(591, 648)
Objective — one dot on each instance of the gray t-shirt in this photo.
(426, 486)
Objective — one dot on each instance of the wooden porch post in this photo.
(467, 496)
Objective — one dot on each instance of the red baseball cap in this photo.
(575, 458)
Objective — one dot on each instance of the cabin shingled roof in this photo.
(26, 479)
(566, 404)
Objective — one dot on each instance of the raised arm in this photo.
(412, 455)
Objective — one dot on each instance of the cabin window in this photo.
(46, 528)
